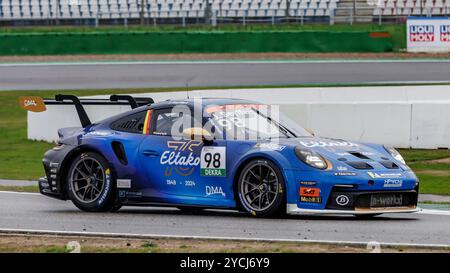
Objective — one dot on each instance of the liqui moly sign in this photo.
(428, 34)
(421, 33)
(445, 33)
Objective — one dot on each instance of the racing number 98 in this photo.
(213, 159)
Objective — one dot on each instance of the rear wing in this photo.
(37, 104)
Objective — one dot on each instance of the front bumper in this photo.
(46, 189)
(294, 210)
(53, 163)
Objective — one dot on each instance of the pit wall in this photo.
(192, 42)
(406, 116)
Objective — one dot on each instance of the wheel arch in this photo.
(65, 165)
(259, 156)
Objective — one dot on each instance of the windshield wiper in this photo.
(283, 129)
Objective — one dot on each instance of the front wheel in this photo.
(261, 189)
(90, 183)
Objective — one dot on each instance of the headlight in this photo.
(395, 154)
(311, 158)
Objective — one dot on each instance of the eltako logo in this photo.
(181, 157)
(445, 33)
(421, 33)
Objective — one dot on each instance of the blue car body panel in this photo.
(151, 178)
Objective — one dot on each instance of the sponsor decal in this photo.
(32, 103)
(308, 183)
(393, 183)
(98, 133)
(270, 146)
(386, 200)
(384, 175)
(124, 183)
(213, 190)
(342, 168)
(337, 143)
(342, 200)
(213, 161)
(421, 33)
(171, 182)
(189, 183)
(133, 194)
(309, 199)
(180, 158)
(310, 192)
(445, 33)
(344, 174)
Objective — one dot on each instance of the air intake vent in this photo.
(120, 152)
(358, 155)
(129, 124)
(389, 164)
(360, 165)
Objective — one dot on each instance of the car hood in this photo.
(348, 154)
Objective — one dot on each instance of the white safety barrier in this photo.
(402, 116)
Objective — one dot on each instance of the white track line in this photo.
(153, 236)
(19, 192)
(435, 212)
(223, 62)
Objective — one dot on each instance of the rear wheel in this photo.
(90, 183)
(261, 189)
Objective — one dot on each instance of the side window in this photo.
(131, 124)
(166, 120)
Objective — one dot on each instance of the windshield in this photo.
(253, 122)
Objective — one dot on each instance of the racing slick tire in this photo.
(260, 189)
(90, 183)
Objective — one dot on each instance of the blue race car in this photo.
(220, 153)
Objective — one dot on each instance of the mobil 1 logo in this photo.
(213, 161)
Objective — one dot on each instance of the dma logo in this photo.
(445, 33)
(421, 33)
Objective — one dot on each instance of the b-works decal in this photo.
(181, 157)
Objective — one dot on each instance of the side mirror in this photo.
(197, 133)
(310, 131)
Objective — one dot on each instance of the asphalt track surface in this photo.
(37, 212)
(38, 76)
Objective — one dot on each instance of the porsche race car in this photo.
(220, 153)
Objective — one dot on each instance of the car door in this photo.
(180, 169)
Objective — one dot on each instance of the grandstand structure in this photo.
(79, 11)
